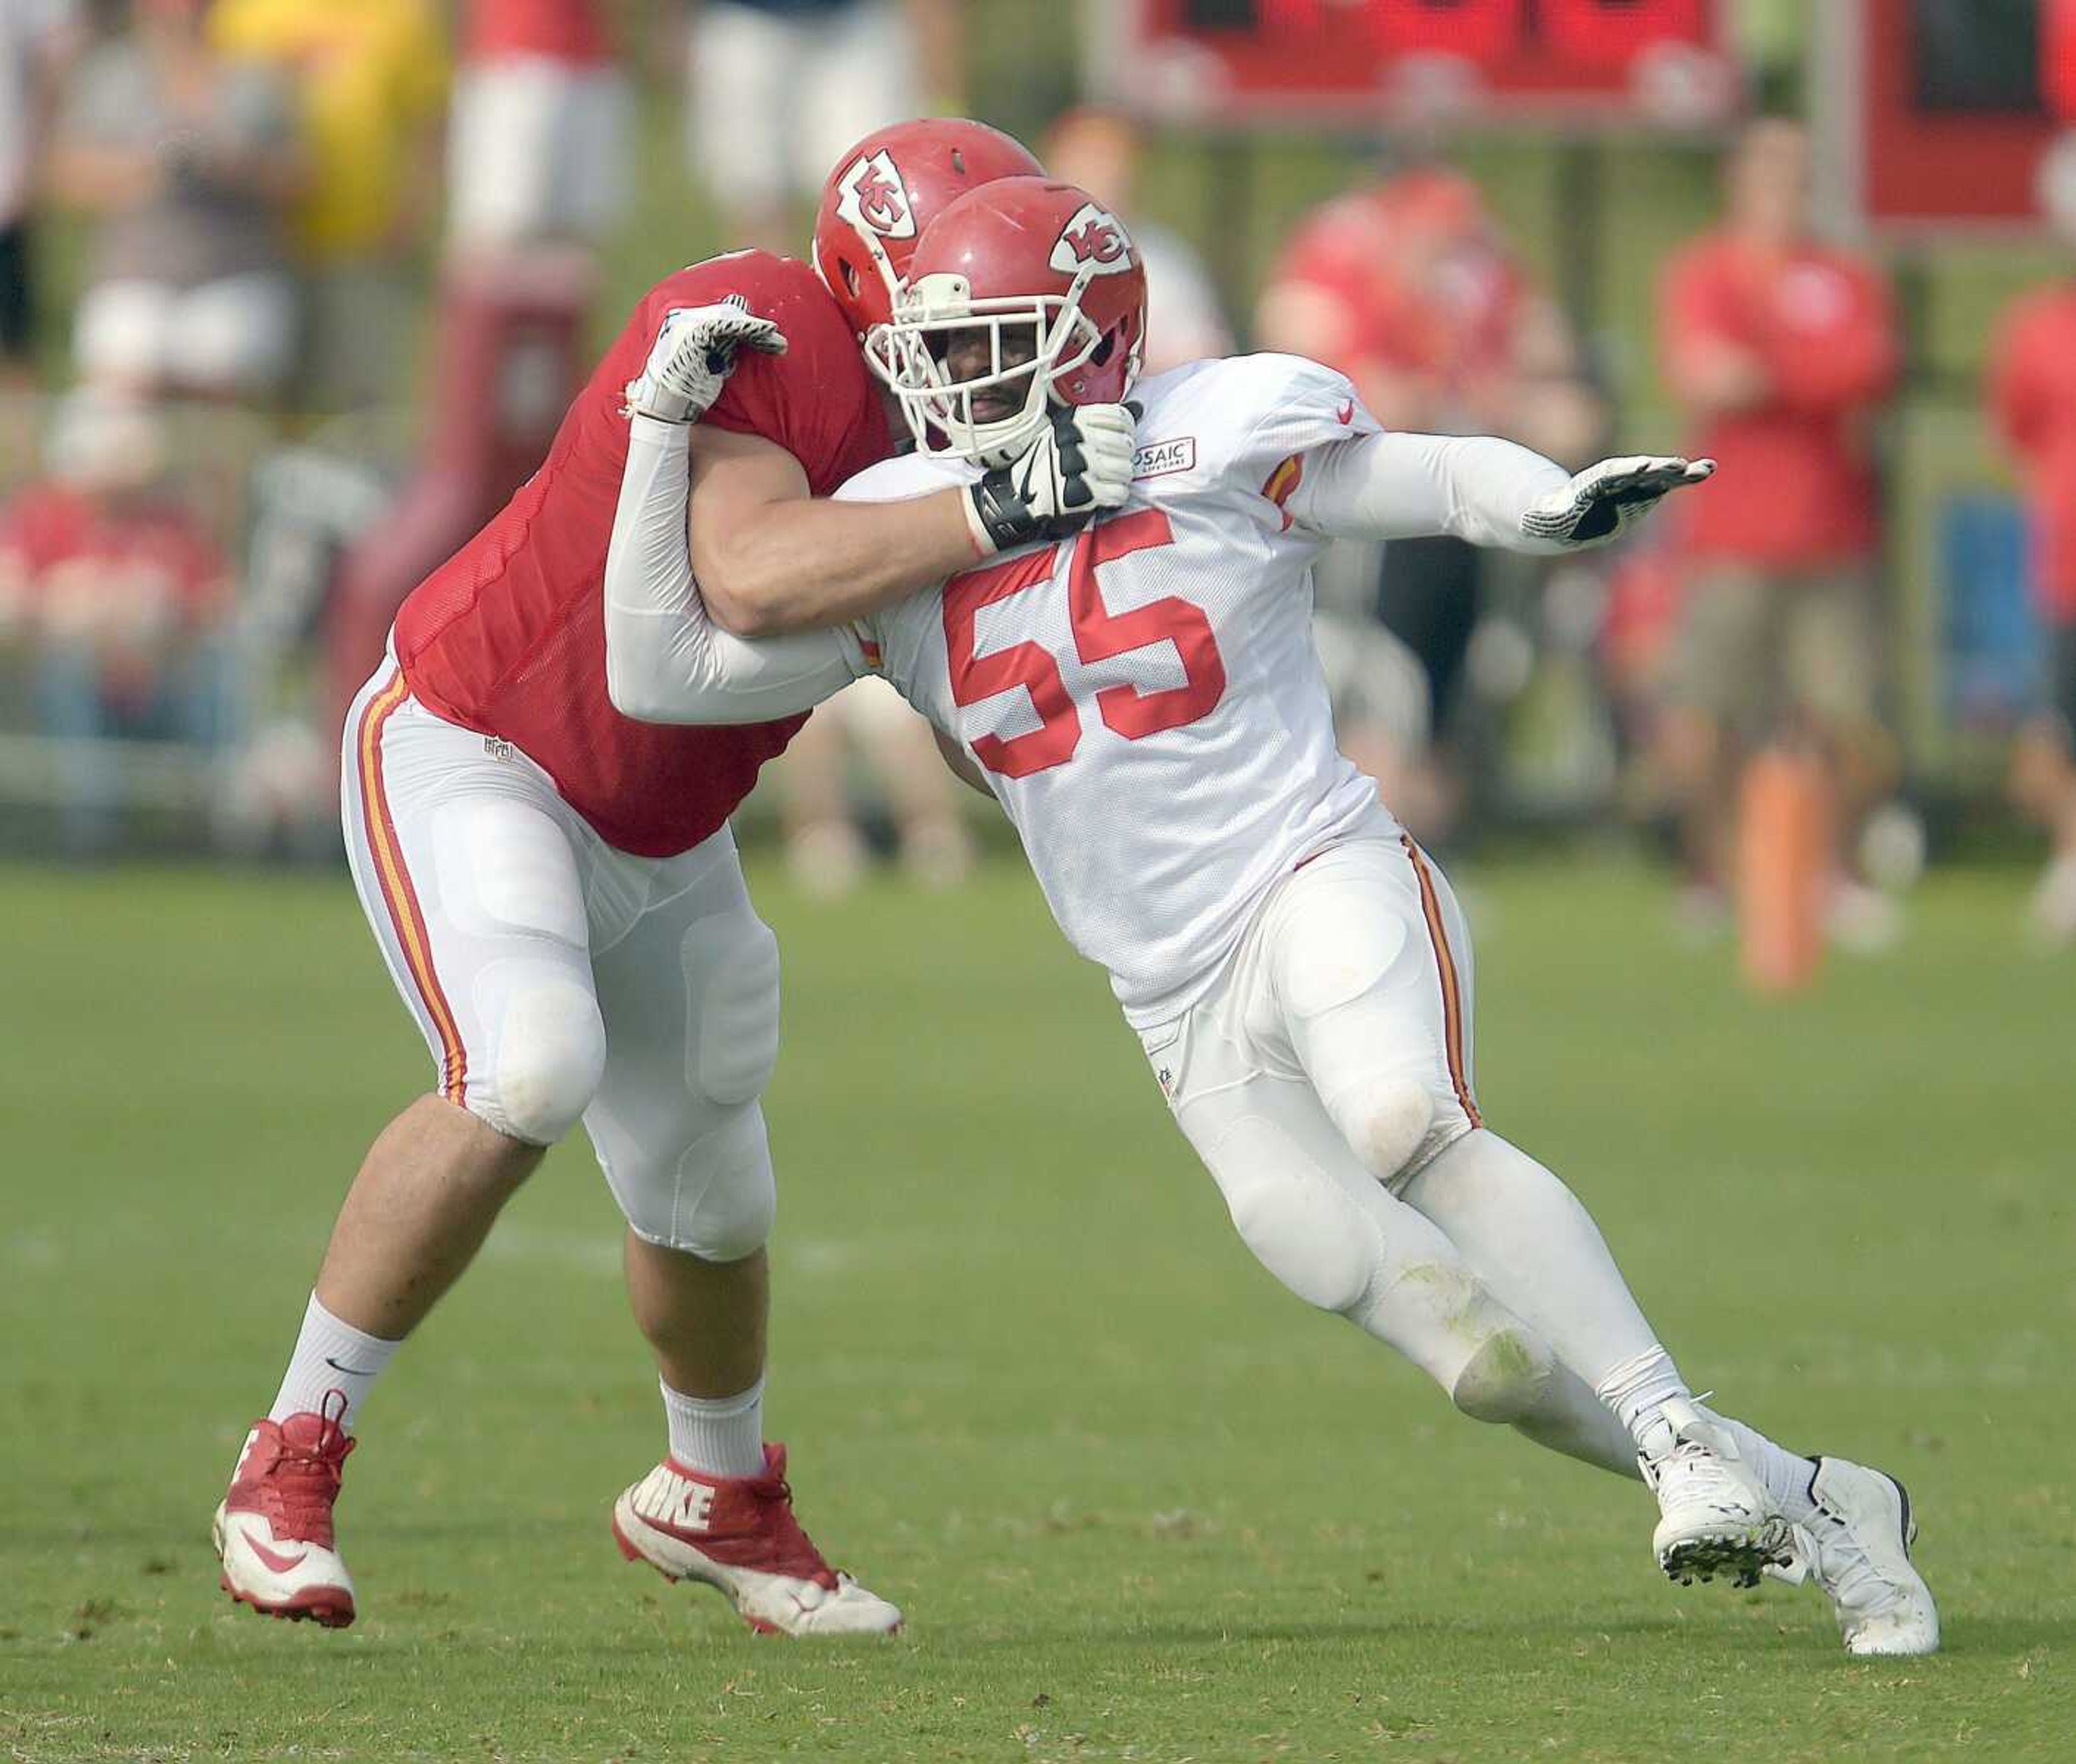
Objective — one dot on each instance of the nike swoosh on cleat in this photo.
(274, 1559)
(699, 1540)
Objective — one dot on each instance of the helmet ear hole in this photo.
(1101, 352)
(850, 278)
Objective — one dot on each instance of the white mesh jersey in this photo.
(1145, 698)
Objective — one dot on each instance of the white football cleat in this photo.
(273, 1531)
(1856, 1548)
(1715, 1515)
(738, 1533)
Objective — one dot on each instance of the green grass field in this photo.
(1138, 1502)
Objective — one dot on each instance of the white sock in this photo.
(1638, 1391)
(717, 1436)
(1786, 1476)
(330, 1356)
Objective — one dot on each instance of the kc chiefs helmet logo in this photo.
(1093, 240)
(874, 198)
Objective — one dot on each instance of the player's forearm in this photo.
(1395, 486)
(804, 566)
(666, 660)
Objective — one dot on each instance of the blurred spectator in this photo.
(2033, 395)
(372, 79)
(1782, 349)
(188, 162)
(1406, 286)
(1100, 150)
(37, 38)
(780, 88)
(537, 147)
(1378, 692)
(825, 849)
(114, 588)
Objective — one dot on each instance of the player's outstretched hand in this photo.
(694, 351)
(1078, 468)
(1608, 499)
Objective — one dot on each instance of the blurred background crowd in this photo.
(293, 292)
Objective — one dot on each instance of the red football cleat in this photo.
(738, 1533)
(273, 1530)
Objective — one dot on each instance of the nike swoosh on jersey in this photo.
(1346, 413)
(274, 1559)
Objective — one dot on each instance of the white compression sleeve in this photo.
(666, 660)
(1393, 486)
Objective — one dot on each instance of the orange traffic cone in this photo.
(1783, 854)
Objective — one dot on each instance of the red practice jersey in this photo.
(507, 637)
(2033, 394)
(1797, 487)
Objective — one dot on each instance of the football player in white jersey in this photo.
(1143, 698)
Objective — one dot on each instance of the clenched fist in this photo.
(695, 352)
(1078, 468)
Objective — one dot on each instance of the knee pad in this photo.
(548, 1056)
(731, 966)
(716, 1200)
(1298, 1222)
(1505, 1378)
(1385, 1119)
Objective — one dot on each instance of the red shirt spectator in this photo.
(559, 30)
(1781, 348)
(154, 558)
(1403, 286)
(2033, 398)
(1813, 327)
(124, 577)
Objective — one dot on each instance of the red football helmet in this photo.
(886, 190)
(1022, 292)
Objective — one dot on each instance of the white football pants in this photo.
(556, 978)
(1328, 1067)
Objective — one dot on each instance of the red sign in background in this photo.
(1299, 56)
(1924, 164)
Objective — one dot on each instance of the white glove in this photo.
(1079, 467)
(694, 351)
(1608, 499)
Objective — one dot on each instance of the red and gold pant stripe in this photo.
(397, 893)
(1452, 995)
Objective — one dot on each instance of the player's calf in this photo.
(1345, 1244)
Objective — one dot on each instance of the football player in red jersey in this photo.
(558, 897)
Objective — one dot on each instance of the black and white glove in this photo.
(694, 351)
(1078, 468)
(1608, 499)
